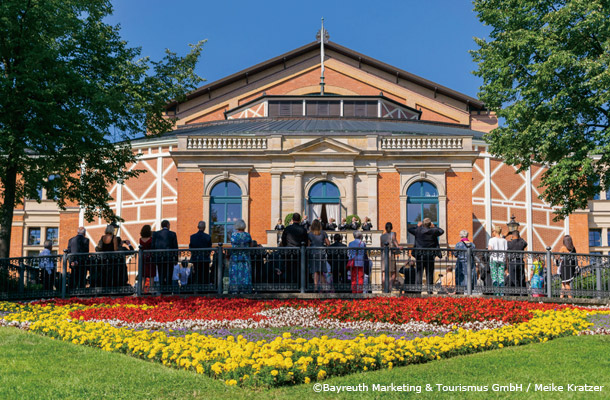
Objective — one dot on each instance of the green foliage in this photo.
(72, 95)
(545, 72)
(349, 218)
(288, 219)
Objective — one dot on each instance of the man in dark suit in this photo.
(165, 240)
(305, 223)
(293, 236)
(337, 258)
(199, 258)
(426, 237)
(78, 264)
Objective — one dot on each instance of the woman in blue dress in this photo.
(537, 279)
(240, 271)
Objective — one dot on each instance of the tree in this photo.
(545, 72)
(72, 95)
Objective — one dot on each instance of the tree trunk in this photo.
(9, 185)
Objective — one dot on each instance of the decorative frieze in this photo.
(229, 143)
(412, 143)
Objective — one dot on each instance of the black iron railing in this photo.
(334, 269)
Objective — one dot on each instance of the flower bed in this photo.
(280, 342)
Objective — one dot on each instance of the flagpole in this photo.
(322, 33)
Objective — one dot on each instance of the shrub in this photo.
(288, 219)
(351, 217)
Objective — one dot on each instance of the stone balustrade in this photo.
(229, 143)
(414, 143)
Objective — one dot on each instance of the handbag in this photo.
(351, 264)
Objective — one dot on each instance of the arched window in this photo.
(225, 209)
(325, 202)
(422, 202)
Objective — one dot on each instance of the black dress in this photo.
(568, 267)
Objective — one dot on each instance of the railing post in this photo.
(303, 267)
(219, 268)
(549, 272)
(141, 278)
(386, 267)
(21, 274)
(598, 279)
(64, 275)
(469, 270)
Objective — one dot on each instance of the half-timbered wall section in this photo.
(147, 199)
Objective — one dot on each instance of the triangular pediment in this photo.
(324, 147)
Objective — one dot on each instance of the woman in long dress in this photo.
(567, 264)
(240, 271)
(317, 261)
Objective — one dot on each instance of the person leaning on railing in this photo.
(317, 258)
(426, 237)
(356, 259)
(567, 265)
(337, 257)
(78, 264)
(47, 266)
(294, 235)
(240, 269)
(389, 238)
(497, 259)
(114, 268)
(150, 270)
(165, 240)
(461, 265)
(201, 258)
(516, 266)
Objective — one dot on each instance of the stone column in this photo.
(372, 198)
(298, 191)
(276, 198)
(350, 201)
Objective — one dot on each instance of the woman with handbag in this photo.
(567, 265)
(389, 238)
(356, 262)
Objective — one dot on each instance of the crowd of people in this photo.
(330, 263)
(331, 225)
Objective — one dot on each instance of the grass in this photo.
(36, 367)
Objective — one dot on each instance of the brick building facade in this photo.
(381, 142)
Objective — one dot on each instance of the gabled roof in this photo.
(361, 58)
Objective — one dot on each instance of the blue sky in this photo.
(428, 38)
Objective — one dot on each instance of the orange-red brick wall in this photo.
(429, 115)
(459, 204)
(190, 205)
(312, 78)
(260, 206)
(16, 238)
(216, 115)
(579, 230)
(388, 196)
(68, 227)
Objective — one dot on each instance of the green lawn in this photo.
(36, 367)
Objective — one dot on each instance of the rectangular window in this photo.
(52, 234)
(323, 108)
(285, 108)
(34, 237)
(595, 236)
